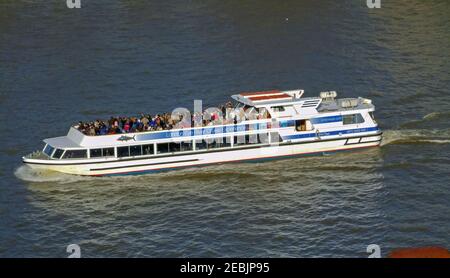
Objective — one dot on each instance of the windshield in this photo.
(48, 150)
(58, 153)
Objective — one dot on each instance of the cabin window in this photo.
(108, 152)
(221, 142)
(239, 140)
(186, 146)
(75, 154)
(372, 115)
(275, 137)
(226, 142)
(303, 125)
(95, 153)
(129, 151)
(246, 139)
(162, 148)
(180, 146)
(352, 119)
(123, 151)
(101, 152)
(278, 108)
(263, 138)
(135, 150)
(251, 139)
(147, 149)
(48, 150)
(213, 143)
(174, 147)
(58, 153)
(201, 145)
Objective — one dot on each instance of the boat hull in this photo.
(157, 163)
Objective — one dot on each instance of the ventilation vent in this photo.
(311, 103)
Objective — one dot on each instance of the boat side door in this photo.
(303, 125)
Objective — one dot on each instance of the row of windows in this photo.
(306, 125)
(138, 150)
(262, 138)
(213, 143)
(174, 147)
(135, 150)
(106, 152)
(300, 125)
(221, 142)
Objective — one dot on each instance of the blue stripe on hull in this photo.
(330, 133)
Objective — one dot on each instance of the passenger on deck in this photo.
(126, 127)
(166, 121)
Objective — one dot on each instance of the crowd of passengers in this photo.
(166, 121)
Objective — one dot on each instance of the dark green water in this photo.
(58, 66)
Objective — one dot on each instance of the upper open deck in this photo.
(275, 98)
(281, 104)
(270, 105)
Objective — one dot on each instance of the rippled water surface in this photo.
(58, 66)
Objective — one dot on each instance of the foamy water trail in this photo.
(432, 118)
(411, 136)
(26, 173)
(436, 115)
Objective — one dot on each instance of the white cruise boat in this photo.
(290, 126)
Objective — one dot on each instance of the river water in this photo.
(60, 65)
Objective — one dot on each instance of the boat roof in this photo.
(337, 105)
(61, 142)
(294, 97)
(272, 98)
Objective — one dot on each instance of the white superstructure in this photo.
(271, 124)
